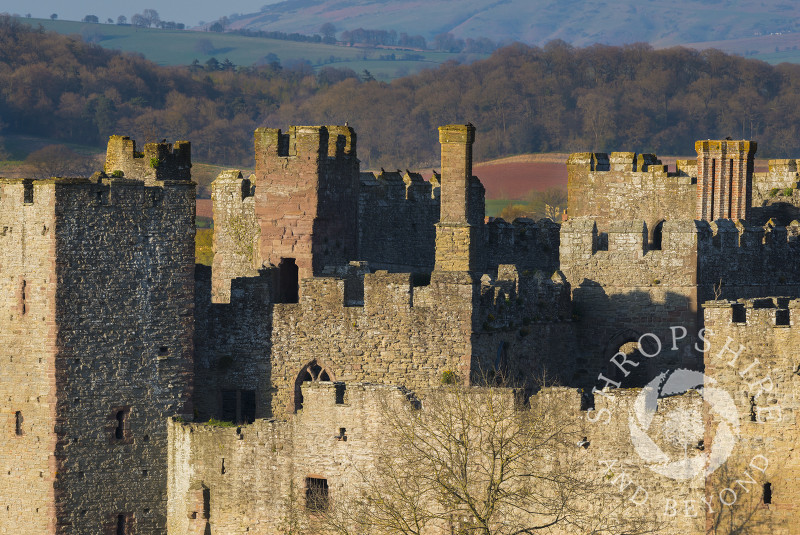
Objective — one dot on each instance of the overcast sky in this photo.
(188, 12)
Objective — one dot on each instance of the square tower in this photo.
(306, 200)
(96, 346)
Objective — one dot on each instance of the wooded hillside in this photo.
(522, 99)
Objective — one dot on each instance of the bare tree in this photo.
(59, 160)
(151, 16)
(473, 460)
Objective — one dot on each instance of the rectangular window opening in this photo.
(18, 423)
(28, 192)
(316, 494)
(124, 524)
(341, 389)
(782, 317)
(739, 313)
(248, 406)
(228, 413)
(767, 493)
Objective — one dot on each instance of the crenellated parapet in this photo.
(304, 142)
(528, 244)
(158, 161)
(626, 258)
(627, 185)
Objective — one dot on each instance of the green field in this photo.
(181, 47)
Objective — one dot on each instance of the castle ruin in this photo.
(334, 290)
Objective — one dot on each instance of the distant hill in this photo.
(578, 22)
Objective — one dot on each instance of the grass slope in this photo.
(578, 22)
(181, 47)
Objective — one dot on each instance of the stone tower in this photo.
(724, 179)
(306, 200)
(459, 229)
(97, 286)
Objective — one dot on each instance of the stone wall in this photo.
(233, 344)
(402, 334)
(236, 232)
(254, 476)
(396, 218)
(306, 196)
(158, 161)
(125, 321)
(529, 245)
(27, 352)
(98, 277)
(628, 186)
(752, 355)
(631, 289)
(628, 290)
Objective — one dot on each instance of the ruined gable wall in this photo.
(27, 356)
(627, 186)
(763, 383)
(124, 312)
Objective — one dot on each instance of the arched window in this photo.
(312, 372)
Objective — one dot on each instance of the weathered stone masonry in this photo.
(334, 291)
(96, 346)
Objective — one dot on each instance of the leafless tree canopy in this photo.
(476, 460)
(60, 161)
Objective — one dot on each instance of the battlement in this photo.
(625, 161)
(395, 186)
(779, 312)
(83, 192)
(310, 142)
(580, 237)
(158, 161)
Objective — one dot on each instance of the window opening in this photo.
(289, 288)
(316, 494)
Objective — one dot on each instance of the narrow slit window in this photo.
(22, 296)
(18, 423)
(27, 192)
(120, 429)
(119, 432)
(123, 524)
(767, 493)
